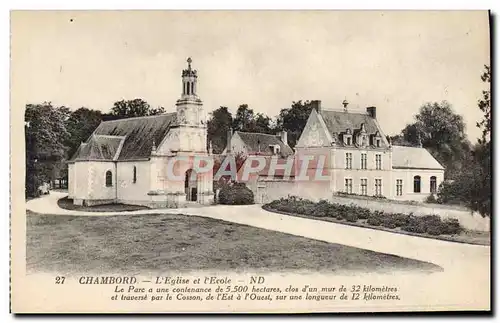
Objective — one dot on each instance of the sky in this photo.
(394, 60)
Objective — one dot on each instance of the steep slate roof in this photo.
(99, 147)
(139, 134)
(253, 140)
(339, 121)
(413, 157)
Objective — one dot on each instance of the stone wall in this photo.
(128, 190)
(268, 191)
(468, 219)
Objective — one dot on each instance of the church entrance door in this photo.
(190, 185)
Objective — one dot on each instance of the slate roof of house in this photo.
(338, 122)
(259, 143)
(99, 147)
(138, 135)
(414, 158)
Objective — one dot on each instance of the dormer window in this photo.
(377, 140)
(348, 137)
(275, 149)
(363, 140)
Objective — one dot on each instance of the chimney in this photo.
(372, 112)
(283, 136)
(345, 103)
(316, 104)
(228, 140)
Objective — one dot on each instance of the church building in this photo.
(127, 160)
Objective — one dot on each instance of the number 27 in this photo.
(60, 280)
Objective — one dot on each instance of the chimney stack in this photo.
(284, 137)
(316, 104)
(228, 140)
(345, 103)
(372, 112)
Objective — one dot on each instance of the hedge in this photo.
(429, 224)
(236, 194)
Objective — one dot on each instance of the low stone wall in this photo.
(469, 220)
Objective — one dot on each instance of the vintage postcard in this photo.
(250, 161)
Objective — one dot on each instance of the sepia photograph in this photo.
(250, 161)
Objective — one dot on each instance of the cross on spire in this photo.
(189, 61)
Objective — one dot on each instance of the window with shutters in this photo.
(378, 161)
(348, 160)
(364, 186)
(348, 185)
(363, 161)
(399, 187)
(378, 186)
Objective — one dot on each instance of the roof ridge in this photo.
(348, 112)
(256, 133)
(409, 147)
(143, 117)
(110, 136)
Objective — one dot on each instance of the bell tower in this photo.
(189, 106)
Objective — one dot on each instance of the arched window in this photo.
(192, 87)
(109, 178)
(433, 184)
(134, 180)
(416, 184)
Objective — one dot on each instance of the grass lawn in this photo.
(66, 203)
(169, 243)
(466, 236)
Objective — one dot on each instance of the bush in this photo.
(321, 209)
(363, 213)
(430, 224)
(351, 216)
(450, 193)
(431, 199)
(417, 227)
(451, 226)
(236, 194)
(375, 221)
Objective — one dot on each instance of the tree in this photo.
(472, 185)
(244, 119)
(480, 195)
(485, 106)
(442, 132)
(217, 127)
(398, 140)
(293, 120)
(132, 108)
(45, 137)
(262, 124)
(80, 125)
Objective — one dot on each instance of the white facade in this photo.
(127, 160)
(372, 168)
(358, 159)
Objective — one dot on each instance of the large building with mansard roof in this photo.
(361, 160)
(358, 159)
(126, 160)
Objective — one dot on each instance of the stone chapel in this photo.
(128, 160)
